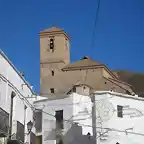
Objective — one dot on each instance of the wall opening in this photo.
(59, 119)
(119, 111)
(52, 90)
(52, 45)
(52, 72)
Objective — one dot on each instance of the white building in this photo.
(116, 117)
(122, 117)
(12, 81)
(69, 107)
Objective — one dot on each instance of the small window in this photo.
(52, 73)
(52, 90)
(66, 44)
(59, 119)
(84, 88)
(119, 111)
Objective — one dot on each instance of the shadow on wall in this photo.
(74, 136)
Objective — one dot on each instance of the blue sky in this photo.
(119, 34)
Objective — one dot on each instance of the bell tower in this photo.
(54, 55)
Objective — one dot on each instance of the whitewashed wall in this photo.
(74, 110)
(78, 108)
(11, 80)
(133, 118)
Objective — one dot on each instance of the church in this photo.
(59, 76)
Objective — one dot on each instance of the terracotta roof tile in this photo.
(84, 62)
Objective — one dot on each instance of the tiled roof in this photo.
(79, 73)
(84, 62)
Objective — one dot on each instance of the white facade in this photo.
(77, 108)
(128, 129)
(74, 107)
(12, 80)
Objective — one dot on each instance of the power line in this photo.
(72, 122)
(117, 130)
(95, 23)
(109, 129)
(93, 32)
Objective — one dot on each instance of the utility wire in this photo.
(72, 122)
(109, 129)
(117, 130)
(95, 23)
(93, 32)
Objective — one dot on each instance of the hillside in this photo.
(133, 78)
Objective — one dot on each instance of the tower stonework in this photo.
(54, 55)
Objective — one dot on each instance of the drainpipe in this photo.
(94, 117)
(11, 114)
(25, 107)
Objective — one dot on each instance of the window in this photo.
(59, 119)
(38, 121)
(119, 111)
(52, 44)
(52, 90)
(84, 89)
(66, 45)
(52, 73)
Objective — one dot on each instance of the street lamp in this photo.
(29, 126)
